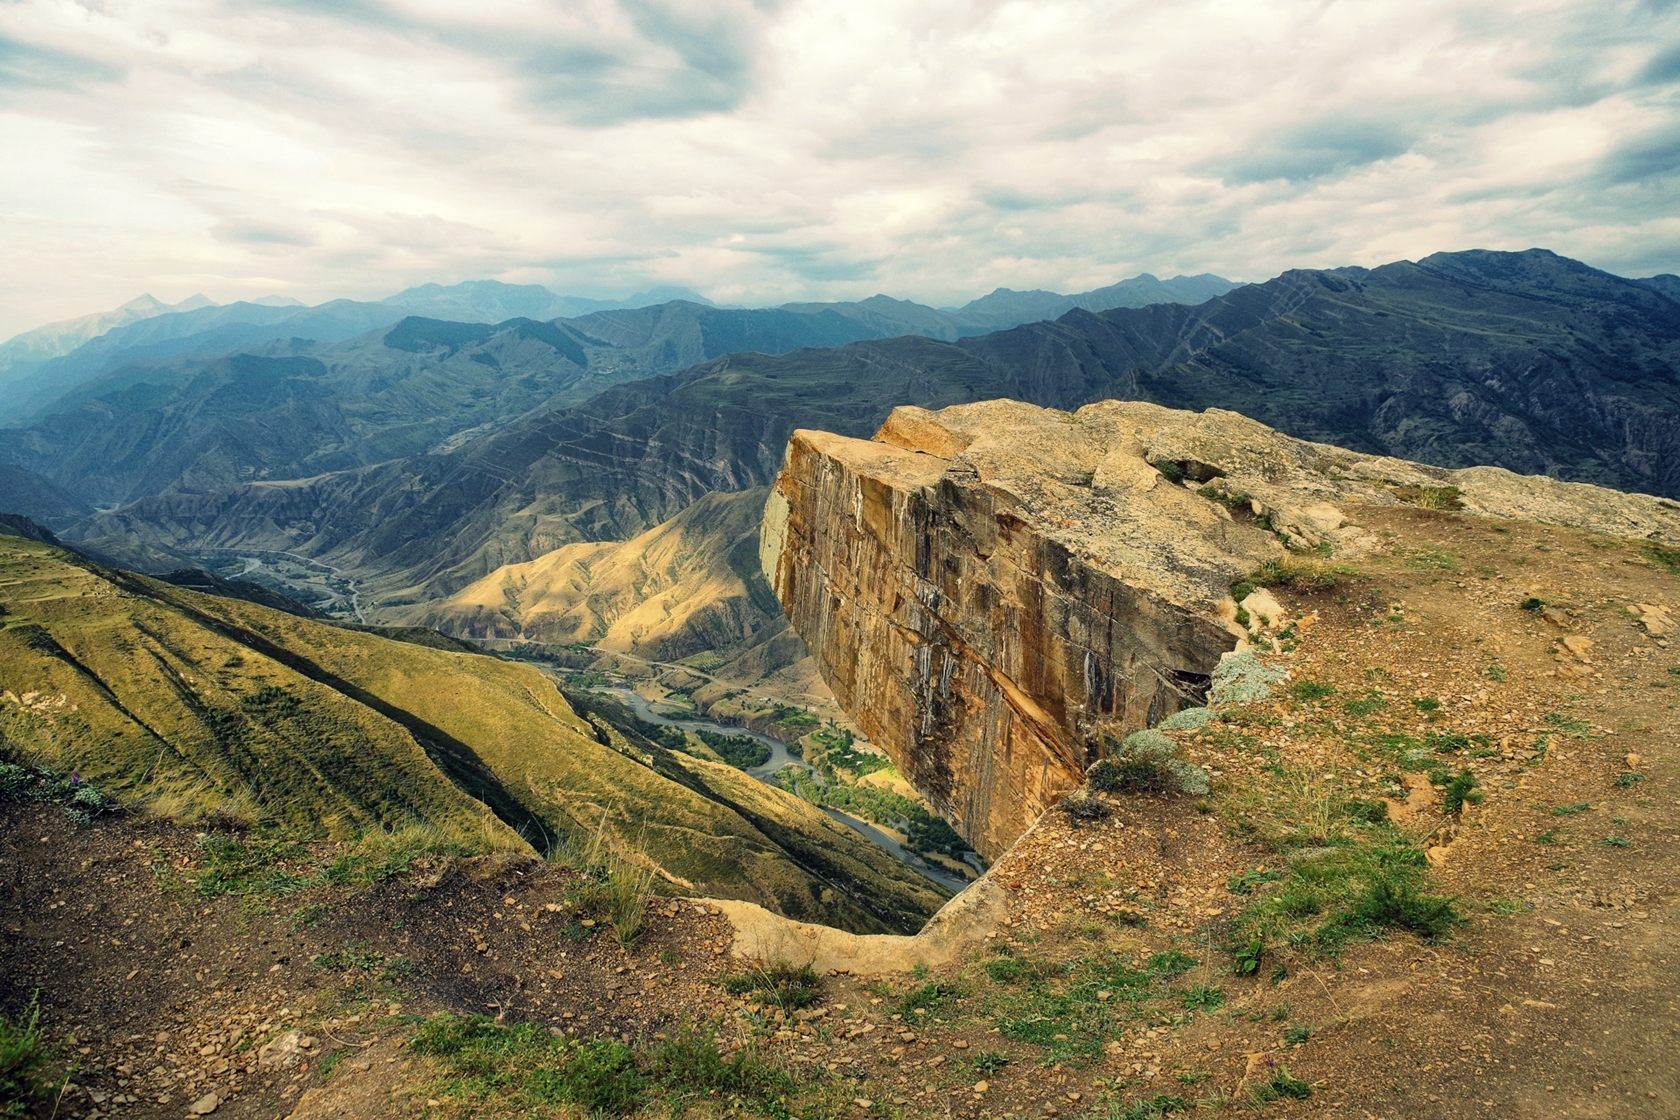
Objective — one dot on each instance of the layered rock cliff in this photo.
(992, 589)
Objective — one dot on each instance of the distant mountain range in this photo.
(425, 455)
(39, 367)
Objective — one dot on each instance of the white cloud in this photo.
(764, 151)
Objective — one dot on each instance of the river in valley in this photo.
(669, 716)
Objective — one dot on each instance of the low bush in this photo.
(1147, 761)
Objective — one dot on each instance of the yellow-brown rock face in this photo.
(992, 588)
(956, 612)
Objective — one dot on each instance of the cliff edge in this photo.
(993, 588)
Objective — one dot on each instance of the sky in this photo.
(762, 151)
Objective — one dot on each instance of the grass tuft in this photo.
(780, 984)
(26, 1062)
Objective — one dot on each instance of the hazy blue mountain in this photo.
(1667, 283)
(25, 351)
(292, 408)
(34, 386)
(200, 328)
(1524, 360)
(1005, 308)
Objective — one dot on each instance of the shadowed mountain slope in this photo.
(1528, 361)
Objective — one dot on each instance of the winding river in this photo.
(667, 716)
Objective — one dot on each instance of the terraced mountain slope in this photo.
(202, 708)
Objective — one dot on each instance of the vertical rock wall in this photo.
(985, 656)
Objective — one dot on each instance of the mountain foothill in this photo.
(492, 462)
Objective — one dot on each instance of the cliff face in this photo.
(991, 589)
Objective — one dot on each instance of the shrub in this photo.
(1148, 761)
(1245, 961)
(1082, 805)
(1459, 790)
(629, 885)
(1395, 903)
(25, 1062)
(1203, 997)
(1284, 1086)
(1189, 719)
(1431, 497)
(1242, 678)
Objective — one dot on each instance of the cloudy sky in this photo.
(768, 150)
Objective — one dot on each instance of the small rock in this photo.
(282, 1052)
(204, 1105)
(981, 1086)
(863, 1102)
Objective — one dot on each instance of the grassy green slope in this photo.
(195, 706)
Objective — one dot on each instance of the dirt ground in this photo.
(1557, 996)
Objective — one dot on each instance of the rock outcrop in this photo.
(992, 589)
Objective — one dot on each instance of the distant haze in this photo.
(768, 151)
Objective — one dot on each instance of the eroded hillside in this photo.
(204, 709)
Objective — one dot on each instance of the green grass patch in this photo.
(1073, 1010)
(1248, 881)
(526, 1069)
(1309, 690)
(1203, 997)
(930, 997)
(780, 984)
(1368, 703)
(1335, 895)
(1569, 725)
(27, 1062)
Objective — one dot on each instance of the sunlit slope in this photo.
(687, 585)
(194, 705)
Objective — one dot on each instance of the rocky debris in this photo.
(1656, 620)
(204, 1105)
(286, 1051)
